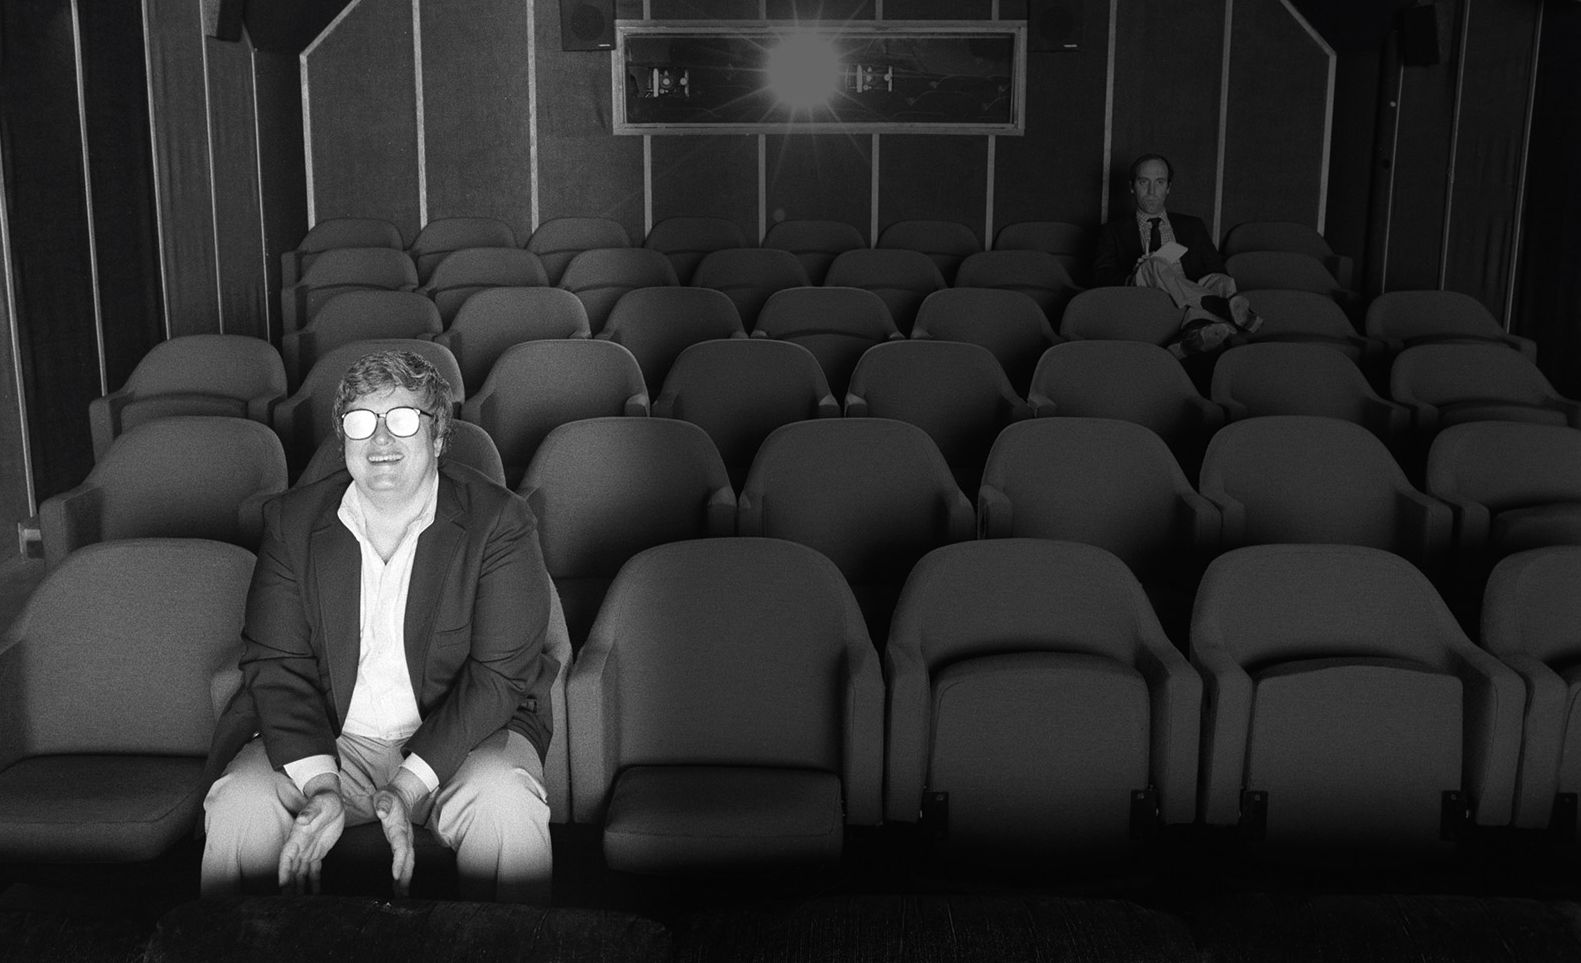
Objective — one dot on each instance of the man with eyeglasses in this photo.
(393, 662)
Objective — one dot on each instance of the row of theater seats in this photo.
(729, 708)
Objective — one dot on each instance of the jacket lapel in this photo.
(337, 581)
(437, 548)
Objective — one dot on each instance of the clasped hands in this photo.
(318, 827)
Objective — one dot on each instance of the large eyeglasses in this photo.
(403, 422)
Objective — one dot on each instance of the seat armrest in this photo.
(855, 406)
(1427, 527)
(993, 513)
(1226, 725)
(1211, 415)
(104, 419)
(828, 407)
(1542, 740)
(1495, 709)
(1042, 405)
(1175, 692)
(1202, 524)
(637, 404)
(591, 708)
(910, 723)
(70, 520)
(1471, 522)
(721, 513)
(863, 755)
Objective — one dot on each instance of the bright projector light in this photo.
(803, 71)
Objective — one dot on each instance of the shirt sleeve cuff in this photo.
(303, 770)
(422, 770)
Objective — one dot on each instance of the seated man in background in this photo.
(393, 662)
(1150, 247)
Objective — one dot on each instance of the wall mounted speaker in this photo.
(587, 24)
(1054, 25)
(1419, 36)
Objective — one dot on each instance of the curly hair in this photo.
(384, 370)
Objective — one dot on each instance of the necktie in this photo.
(1155, 240)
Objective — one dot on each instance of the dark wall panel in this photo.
(707, 176)
(238, 222)
(362, 105)
(181, 161)
(14, 479)
(475, 111)
(821, 177)
(1498, 51)
(820, 9)
(120, 163)
(47, 209)
(933, 178)
(582, 169)
(1278, 87)
(1421, 164)
(1166, 96)
(282, 178)
(937, 9)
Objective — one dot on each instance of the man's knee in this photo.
(246, 802)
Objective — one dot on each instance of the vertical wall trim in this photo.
(647, 185)
(307, 112)
(214, 205)
(534, 218)
(1224, 118)
(87, 198)
(1394, 151)
(1328, 111)
(258, 168)
(1108, 112)
(763, 187)
(872, 204)
(1520, 184)
(422, 131)
(1454, 144)
(988, 203)
(13, 332)
(153, 157)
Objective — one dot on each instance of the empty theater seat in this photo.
(726, 711)
(656, 324)
(1008, 323)
(901, 278)
(1529, 618)
(1343, 704)
(815, 243)
(1405, 319)
(336, 232)
(1121, 314)
(443, 235)
(494, 319)
(340, 270)
(559, 239)
(740, 390)
(1053, 237)
(189, 476)
(1308, 318)
(1448, 384)
(1280, 378)
(460, 274)
(872, 494)
(358, 316)
(601, 276)
(194, 374)
(687, 240)
(1288, 236)
(954, 391)
(947, 243)
(105, 687)
(1287, 270)
(539, 385)
(748, 276)
(604, 489)
(1037, 274)
(836, 324)
(1031, 687)
(1512, 486)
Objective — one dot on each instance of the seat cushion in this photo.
(163, 406)
(1355, 750)
(1039, 749)
(686, 818)
(1458, 413)
(97, 808)
(1518, 529)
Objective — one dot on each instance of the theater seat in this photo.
(559, 239)
(1529, 620)
(1288, 236)
(727, 710)
(815, 243)
(1344, 706)
(340, 270)
(1041, 276)
(494, 319)
(749, 276)
(1405, 319)
(601, 276)
(1449, 384)
(947, 243)
(358, 316)
(1008, 323)
(460, 274)
(901, 278)
(104, 694)
(337, 232)
(656, 324)
(194, 374)
(687, 240)
(1512, 486)
(192, 476)
(442, 235)
(1035, 705)
(836, 324)
(1286, 270)
(1292, 378)
(1121, 314)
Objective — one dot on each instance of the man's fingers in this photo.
(288, 861)
(315, 870)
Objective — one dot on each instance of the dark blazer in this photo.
(1120, 244)
(476, 614)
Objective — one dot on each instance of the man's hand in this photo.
(315, 832)
(393, 805)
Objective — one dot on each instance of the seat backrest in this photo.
(116, 648)
(1121, 314)
(486, 266)
(559, 239)
(725, 651)
(749, 275)
(948, 243)
(685, 240)
(1292, 379)
(538, 385)
(1290, 270)
(835, 323)
(1301, 478)
(1288, 313)
(374, 267)
(337, 232)
(1008, 323)
(468, 445)
(1440, 374)
(228, 365)
(1100, 481)
(1532, 607)
(1055, 237)
(656, 324)
(496, 318)
(815, 243)
(1404, 316)
(1130, 380)
(1276, 236)
(360, 316)
(1277, 603)
(738, 390)
(599, 277)
(445, 234)
(873, 494)
(901, 278)
(1042, 276)
(1506, 464)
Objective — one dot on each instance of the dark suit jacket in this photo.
(476, 613)
(1120, 244)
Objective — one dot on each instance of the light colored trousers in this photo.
(493, 812)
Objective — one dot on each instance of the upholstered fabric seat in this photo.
(600, 277)
(442, 235)
(901, 278)
(559, 239)
(836, 324)
(656, 324)
(1008, 323)
(687, 240)
(358, 316)
(496, 318)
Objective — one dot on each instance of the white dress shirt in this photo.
(383, 704)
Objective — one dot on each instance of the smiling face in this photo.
(385, 468)
(1150, 186)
